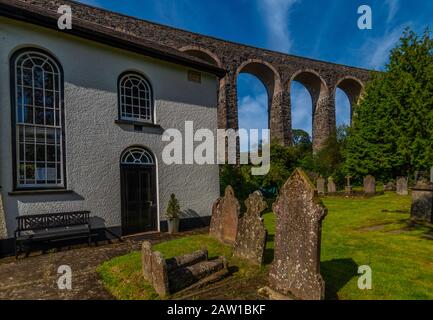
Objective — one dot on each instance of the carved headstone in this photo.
(299, 214)
(321, 185)
(3, 231)
(225, 217)
(402, 186)
(348, 188)
(422, 202)
(332, 187)
(390, 186)
(369, 185)
(251, 238)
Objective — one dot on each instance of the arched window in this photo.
(135, 96)
(37, 106)
(137, 156)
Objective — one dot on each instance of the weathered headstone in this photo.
(348, 189)
(402, 186)
(422, 201)
(299, 214)
(390, 186)
(3, 231)
(321, 185)
(225, 217)
(332, 187)
(369, 185)
(251, 238)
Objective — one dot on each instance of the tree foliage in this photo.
(392, 132)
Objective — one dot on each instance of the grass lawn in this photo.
(374, 232)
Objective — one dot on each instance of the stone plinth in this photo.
(422, 202)
(179, 273)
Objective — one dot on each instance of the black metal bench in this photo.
(49, 227)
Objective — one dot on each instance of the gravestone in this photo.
(251, 238)
(3, 231)
(369, 185)
(225, 217)
(321, 185)
(348, 189)
(422, 201)
(431, 174)
(332, 187)
(295, 270)
(402, 186)
(390, 186)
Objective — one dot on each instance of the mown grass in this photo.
(356, 232)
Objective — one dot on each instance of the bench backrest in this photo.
(52, 220)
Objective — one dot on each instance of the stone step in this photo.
(184, 277)
(186, 260)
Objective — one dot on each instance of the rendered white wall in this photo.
(94, 143)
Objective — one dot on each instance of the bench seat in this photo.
(51, 227)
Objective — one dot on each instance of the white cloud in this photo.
(277, 18)
(393, 6)
(376, 50)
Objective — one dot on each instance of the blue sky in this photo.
(324, 30)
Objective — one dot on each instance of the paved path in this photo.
(36, 277)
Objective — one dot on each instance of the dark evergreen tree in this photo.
(392, 132)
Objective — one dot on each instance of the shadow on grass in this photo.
(337, 273)
(269, 250)
(426, 229)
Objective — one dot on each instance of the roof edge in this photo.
(31, 14)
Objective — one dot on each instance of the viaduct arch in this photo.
(275, 69)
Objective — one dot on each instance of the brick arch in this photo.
(271, 79)
(202, 53)
(353, 88)
(323, 111)
(264, 71)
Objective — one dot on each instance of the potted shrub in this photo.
(172, 214)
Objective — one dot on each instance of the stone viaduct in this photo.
(276, 71)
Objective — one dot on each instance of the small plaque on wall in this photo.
(194, 76)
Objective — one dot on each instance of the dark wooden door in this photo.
(139, 202)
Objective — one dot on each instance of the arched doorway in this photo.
(138, 188)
